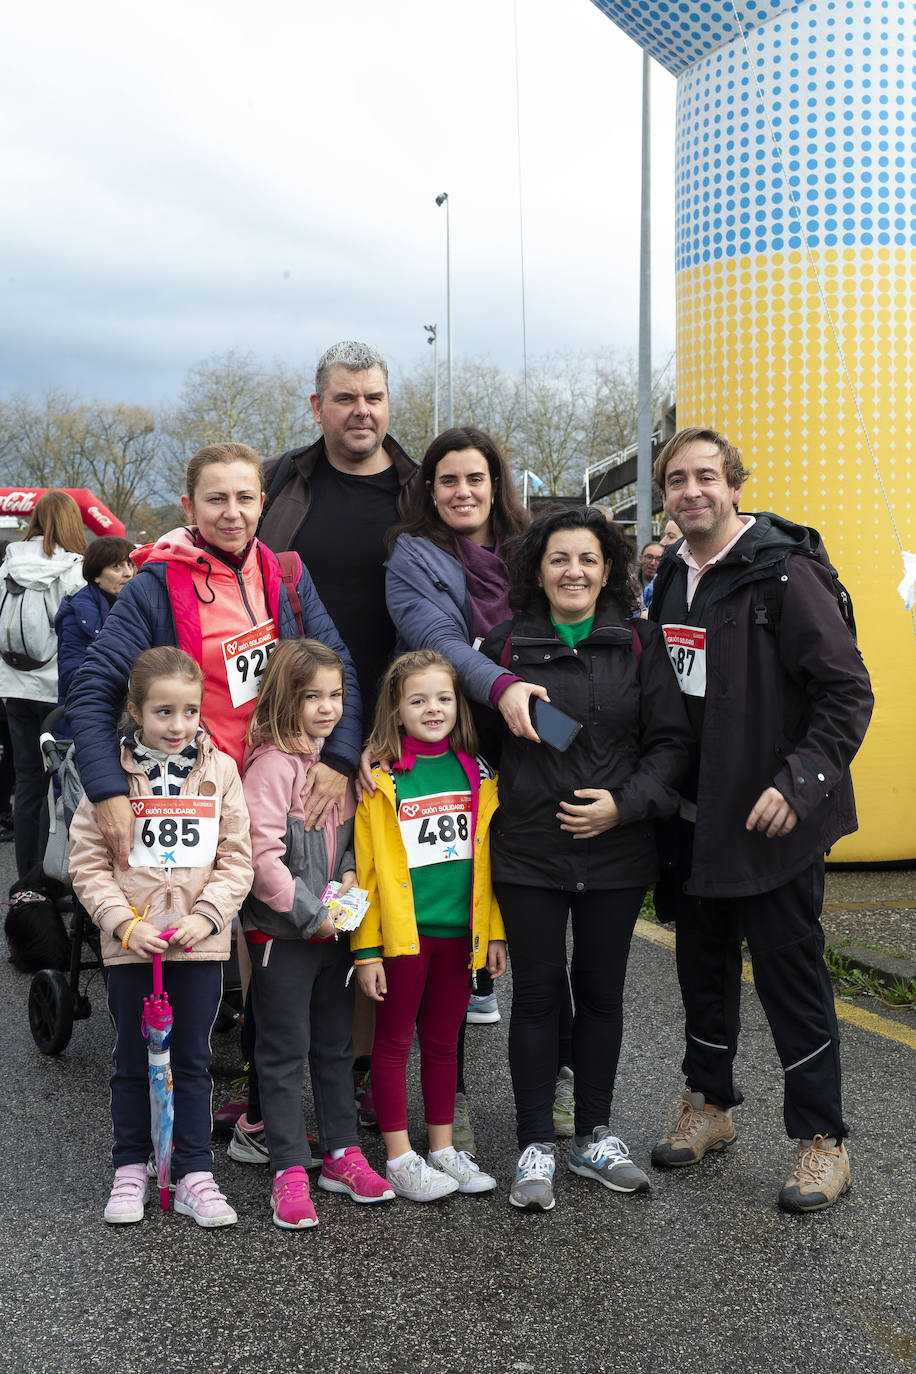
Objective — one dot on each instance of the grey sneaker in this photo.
(461, 1167)
(483, 1011)
(532, 1186)
(249, 1143)
(462, 1130)
(695, 1127)
(417, 1182)
(605, 1157)
(564, 1104)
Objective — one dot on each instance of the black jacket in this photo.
(288, 500)
(634, 742)
(786, 706)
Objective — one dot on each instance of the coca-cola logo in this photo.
(18, 501)
(99, 516)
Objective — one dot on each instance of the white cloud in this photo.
(184, 180)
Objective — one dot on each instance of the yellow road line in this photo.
(856, 1016)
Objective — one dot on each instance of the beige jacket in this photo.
(108, 892)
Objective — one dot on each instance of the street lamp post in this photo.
(443, 200)
(433, 332)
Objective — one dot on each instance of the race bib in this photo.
(436, 829)
(687, 649)
(246, 658)
(174, 832)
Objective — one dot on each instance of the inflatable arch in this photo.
(796, 305)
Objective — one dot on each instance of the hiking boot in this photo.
(695, 1127)
(352, 1174)
(290, 1202)
(564, 1105)
(365, 1102)
(129, 1193)
(604, 1157)
(532, 1186)
(459, 1165)
(462, 1130)
(198, 1196)
(417, 1182)
(249, 1142)
(483, 1011)
(820, 1176)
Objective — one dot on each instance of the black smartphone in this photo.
(554, 727)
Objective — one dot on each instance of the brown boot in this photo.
(695, 1127)
(820, 1176)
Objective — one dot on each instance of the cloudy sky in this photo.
(188, 177)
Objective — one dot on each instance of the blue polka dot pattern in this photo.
(678, 33)
(807, 135)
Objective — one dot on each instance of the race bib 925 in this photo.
(246, 658)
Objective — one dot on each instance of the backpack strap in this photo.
(291, 571)
(637, 642)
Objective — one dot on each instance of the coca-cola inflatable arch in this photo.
(96, 517)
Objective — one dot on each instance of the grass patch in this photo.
(855, 982)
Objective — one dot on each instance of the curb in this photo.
(886, 968)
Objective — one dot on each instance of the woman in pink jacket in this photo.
(189, 870)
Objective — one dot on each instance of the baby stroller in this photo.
(56, 999)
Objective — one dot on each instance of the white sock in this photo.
(337, 1154)
(437, 1154)
(401, 1160)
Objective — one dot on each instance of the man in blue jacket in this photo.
(779, 700)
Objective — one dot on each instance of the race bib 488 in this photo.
(436, 829)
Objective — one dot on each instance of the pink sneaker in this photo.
(198, 1196)
(290, 1201)
(352, 1174)
(129, 1193)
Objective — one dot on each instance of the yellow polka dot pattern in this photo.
(804, 361)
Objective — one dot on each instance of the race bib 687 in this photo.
(687, 650)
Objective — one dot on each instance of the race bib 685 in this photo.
(174, 832)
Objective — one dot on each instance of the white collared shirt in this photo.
(695, 571)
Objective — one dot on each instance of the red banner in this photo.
(96, 517)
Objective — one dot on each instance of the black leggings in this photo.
(535, 922)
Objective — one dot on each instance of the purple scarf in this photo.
(487, 580)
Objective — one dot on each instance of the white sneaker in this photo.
(417, 1182)
(460, 1166)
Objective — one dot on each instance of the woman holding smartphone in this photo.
(574, 830)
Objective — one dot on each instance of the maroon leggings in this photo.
(433, 983)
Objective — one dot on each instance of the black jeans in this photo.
(784, 935)
(535, 922)
(30, 826)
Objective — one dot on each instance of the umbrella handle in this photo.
(157, 963)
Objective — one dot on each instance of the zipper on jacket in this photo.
(242, 593)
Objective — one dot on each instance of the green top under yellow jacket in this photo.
(381, 868)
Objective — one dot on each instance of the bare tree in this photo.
(232, 398)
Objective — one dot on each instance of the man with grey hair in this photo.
(333, 501)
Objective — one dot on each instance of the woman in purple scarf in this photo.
(446, 583)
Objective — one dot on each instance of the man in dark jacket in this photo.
(779, 700)
(333, 501)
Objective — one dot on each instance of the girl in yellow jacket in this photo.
(422, 853)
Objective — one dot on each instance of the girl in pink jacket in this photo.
(303, 1000)
(189, 871)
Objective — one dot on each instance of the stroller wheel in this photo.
(50, 1011)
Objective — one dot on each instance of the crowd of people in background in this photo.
(384, 677)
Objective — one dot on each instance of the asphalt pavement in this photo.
(703, 1274)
